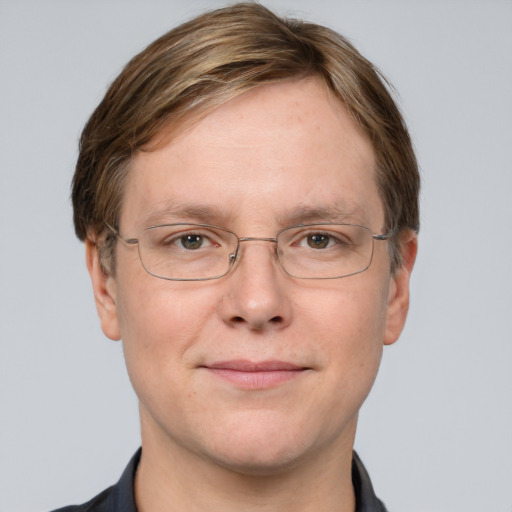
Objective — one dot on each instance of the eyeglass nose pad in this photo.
(232, 257)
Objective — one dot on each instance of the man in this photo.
(248, 197)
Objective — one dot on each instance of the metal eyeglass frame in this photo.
(234, 256)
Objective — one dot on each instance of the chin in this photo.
(260, 461)
(263, 449)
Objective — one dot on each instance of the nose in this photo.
(257, 290)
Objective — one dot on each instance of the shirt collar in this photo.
(123, 493)
(366, 500)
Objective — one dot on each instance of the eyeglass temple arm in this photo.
(118, 235)
(383, 237)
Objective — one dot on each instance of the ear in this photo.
(104, 287)
(398, 300)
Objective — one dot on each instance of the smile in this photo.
(252, 375)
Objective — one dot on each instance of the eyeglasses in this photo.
(200, 252)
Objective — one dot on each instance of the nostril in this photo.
(241, 320)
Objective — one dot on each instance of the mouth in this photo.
(255, 375)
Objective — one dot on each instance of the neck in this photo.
(172, 478)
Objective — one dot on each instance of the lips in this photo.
(255, 375)
(249, 366)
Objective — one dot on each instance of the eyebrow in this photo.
(176, 211)
(338, 212)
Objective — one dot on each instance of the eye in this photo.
(185, 241)
(182, 239)
(192, 241)
(321, 240)
(318, 241)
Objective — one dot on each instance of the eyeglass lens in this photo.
(195, 252)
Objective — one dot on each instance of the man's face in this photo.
(268, 159)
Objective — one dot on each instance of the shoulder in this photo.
(118, 498)
(100, 503)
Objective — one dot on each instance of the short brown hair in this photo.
(213, 58)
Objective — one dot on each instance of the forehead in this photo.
(278, 149)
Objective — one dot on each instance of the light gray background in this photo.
(436, 433)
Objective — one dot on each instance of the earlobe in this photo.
(398, 300)
(104, 288)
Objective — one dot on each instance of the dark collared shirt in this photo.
(120, 497)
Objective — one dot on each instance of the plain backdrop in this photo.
(436, 432)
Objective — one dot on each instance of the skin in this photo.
(253, 161)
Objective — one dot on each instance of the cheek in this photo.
(160, 321)
(349, 326)
(355, 313)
